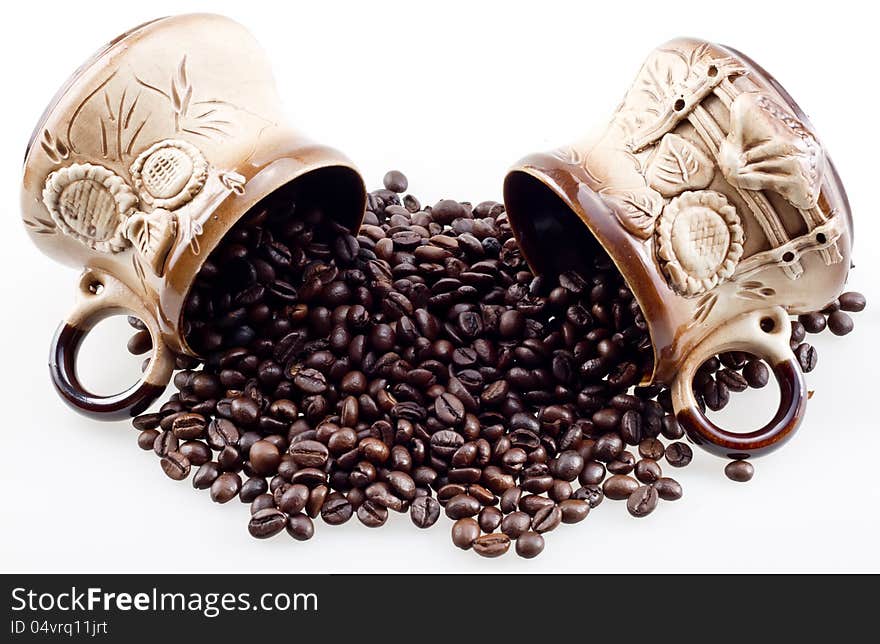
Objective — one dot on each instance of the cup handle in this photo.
(765, 334)
(101, 295)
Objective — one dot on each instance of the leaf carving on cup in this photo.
(679, 165)
(636, 209)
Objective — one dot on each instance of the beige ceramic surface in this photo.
(146, 157)
(712, 194)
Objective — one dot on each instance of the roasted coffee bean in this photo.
(196, 452)
(619, 487)
(592, 494)
(813, 322)
(205, 476)
(592, 474)
(267, 523)
(147, 438)
(651, 448)
(371, 514)
(574, 510)
(262, 502)
(643, 501)
(852, 301)
(264, 457)
(310, 381)
(547, 518)
(294, 499)
(465, 532)
(146, 421)
(490, 518)
(740, 471)
(309, 453)
(732, 380)
(461, 506)
(492, 545)
(608, 447)
(360, 373)
(668, 489)
(300, 527)
(807, 357)
(424, 511)
(715, 394)
(647, 471)
(529, 545)
(222, 433)
(225, 487)
(679, 454)
(839, 323)
(175, 465)
(756, 373)
(568, 465)
(336, 509)
(449, 409)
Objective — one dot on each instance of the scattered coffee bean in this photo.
(643, 501)
(465, 533)
(740, 471)
(679, 454)
(492, 545)
(529, 545)
(420, 366)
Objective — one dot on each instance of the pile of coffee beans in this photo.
(420, 367)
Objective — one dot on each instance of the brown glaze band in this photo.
(792, 403)
(62, 368)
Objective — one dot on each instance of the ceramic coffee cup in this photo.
(147, 156)
(712, 195)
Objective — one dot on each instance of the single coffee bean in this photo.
(668, 489)
(188, 426)
(679, 454)
(461, 506)
(852, 302)
(147, 438)
(574, 510)
(839, 323)
(592, 494)
(489, 519)
(807, 357)
(424, 511)
(651, 448)
(449, 409)
(371, 514)
(294, 499)
(262, 502)
(740, 471)
(619, 487)
(492, 545)
(175, 465)
(267, 523)
(225, 487)
(146, 421)
(647, 471)
(529, 545)
(465, 533)
(642, 502)
(756, 373)
(264, 457)
(336, 509)
(309, 453)
(547, 518)
(300, 527)
(813, 322)
(205, 476)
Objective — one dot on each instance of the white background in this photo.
(451, 93)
